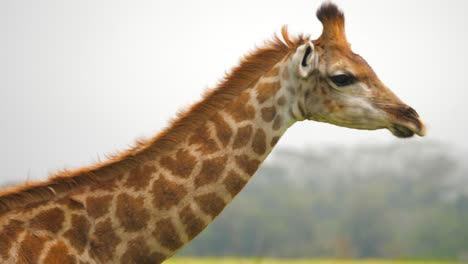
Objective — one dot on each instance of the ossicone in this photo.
(333, 22)
(328, 11)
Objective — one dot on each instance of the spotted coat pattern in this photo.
(151, 211)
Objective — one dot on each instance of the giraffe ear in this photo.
(306, 59)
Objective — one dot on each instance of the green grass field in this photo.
(292, 261)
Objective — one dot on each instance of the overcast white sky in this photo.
(81, 79)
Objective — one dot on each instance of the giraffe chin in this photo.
(401, 131)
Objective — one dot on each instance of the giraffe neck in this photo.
(195, 182)
(153, 209)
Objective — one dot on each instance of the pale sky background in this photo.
(82, 79)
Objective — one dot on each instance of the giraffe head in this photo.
(336, 85)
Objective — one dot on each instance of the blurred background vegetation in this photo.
(402, 201)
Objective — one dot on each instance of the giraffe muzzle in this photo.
(407, 123)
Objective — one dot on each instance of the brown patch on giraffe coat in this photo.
(259, 142)
(71, 203)
(182, 165)
(9, 234)
(268, 113)
(98, 206)
(103, 241)
(131, 212)
(273, 72)
(277, 123)
(243, 136)
(58, 253)
(77, 234)
(210, 203)
(223, 130)
(274, 140)
(167, 194)
(240, 109)
(140, 177)
(30, 248)
(281, 100)
(266, 91)
(193, 224)
(166, 234)
(234, 183)
(211, 171)
(246, 164)
(139, 252)
(202, 138)
(50, 220)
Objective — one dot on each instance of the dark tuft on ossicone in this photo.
(328, 11)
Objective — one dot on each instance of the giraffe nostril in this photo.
(409, 112)
(413, 112)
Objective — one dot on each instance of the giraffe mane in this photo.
(247, 72)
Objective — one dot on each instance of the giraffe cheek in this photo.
(332, 106)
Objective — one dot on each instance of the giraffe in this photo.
(145, 204)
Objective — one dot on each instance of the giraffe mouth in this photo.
(409, 129)
(401, 131)
(405, 122)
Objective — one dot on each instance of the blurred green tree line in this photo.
(395, 201)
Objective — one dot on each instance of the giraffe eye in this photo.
(343, 79)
